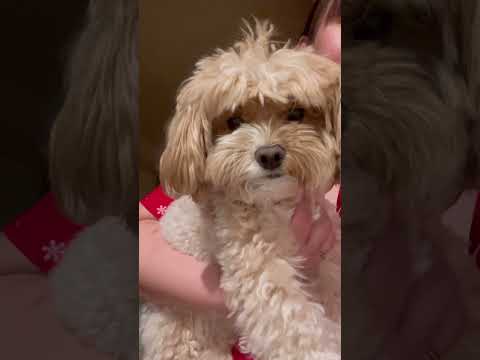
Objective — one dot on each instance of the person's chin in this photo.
(329, 41)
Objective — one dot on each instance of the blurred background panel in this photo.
(35, 38)
(173, 36)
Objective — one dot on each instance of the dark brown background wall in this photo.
(35, 39)
(173, 35)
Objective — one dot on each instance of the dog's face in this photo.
(255, 113)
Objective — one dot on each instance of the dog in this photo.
(252, 124)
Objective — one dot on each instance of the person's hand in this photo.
(315, 237)
(195, 282)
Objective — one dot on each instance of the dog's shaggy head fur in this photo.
(252, 98)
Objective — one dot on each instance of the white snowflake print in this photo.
(161, 210)
(53, 251)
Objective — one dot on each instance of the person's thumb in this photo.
(302, 220)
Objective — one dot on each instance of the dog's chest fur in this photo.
(203, 229)
(237, 223)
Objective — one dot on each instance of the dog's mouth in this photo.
(274, 175)
(276, 188)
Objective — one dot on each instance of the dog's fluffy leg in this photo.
(271, 310)
(176, 333)
(274, 315)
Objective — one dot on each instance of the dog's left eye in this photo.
(296, 114)
(234, 122)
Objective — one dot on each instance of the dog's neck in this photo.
(256, 201)
(279, 195)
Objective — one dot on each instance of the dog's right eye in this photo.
(296, 114)
(234, 122)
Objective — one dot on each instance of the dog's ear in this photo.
(335, 109)
(323, 90)
(182, 164)
(333, 98)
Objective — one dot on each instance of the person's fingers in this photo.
(302, 220)
(320, 238)
(322, 235)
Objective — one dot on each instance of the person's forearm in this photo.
(164, 272)
(12, 261)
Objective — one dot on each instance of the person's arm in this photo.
(12, 260)
(165, 272)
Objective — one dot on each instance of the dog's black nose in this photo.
(270, 157)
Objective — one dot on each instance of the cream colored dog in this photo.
(252, 124)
